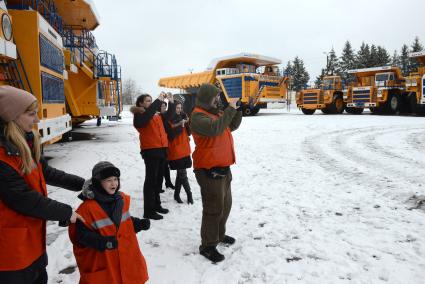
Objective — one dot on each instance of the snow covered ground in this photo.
(316, 199)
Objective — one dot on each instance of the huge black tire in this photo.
(326, 110)
(308, 111)
(255, 110)
(246, 110)
(393, 104)
(404, 105)
(353, 110)
(337, 106)
(414, 107)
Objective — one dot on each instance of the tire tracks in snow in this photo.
(336, 153)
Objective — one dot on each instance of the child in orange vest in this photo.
(105, 245)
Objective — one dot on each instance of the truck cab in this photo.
(328, 97)
(378, 88)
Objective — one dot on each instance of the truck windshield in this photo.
(381, 77)
(328, 84)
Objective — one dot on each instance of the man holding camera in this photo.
(214, 154)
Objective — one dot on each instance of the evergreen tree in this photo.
(319, 79)
(404, 60)
(347, 60)
(332, 63)
(289, 70)
(373, 57)
(414, 63)
(383, 57)
(301, 76)
(363, 56)
(416, 45)
(395, 60)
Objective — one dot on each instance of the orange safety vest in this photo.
(124, 265)
(153, 134)
(22, 238)
(179, 147)
(210, 152)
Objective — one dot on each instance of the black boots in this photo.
(228, 240)
(162, 210)
(153, 216)
(211, 253)
(177, 191)
(186, 186)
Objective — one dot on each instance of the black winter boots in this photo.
(211, 253)
(177, 189)
(185, 183)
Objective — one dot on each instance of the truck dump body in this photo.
(254, 79)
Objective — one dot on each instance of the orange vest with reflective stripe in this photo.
(22, 238)
(179, 147)
(210, 152)
(153, 134)
(124, 265)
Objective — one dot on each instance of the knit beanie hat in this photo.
(206, 94)
(14, 102)
(103, 170)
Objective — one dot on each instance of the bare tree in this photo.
(130, 91)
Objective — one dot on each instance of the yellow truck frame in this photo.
(255, 79)
(93, 88)
(328, 98)
(415, 85)
(381, 89)
(36, 65)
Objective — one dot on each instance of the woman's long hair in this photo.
(15, 135)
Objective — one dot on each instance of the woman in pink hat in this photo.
(24, 205)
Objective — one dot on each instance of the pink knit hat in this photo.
(14, 102)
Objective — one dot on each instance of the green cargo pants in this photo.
(216, 203)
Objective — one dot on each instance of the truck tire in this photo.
(308, 111)
(326, 110)
(392, 105)
(246, 110)
(414, 107)
(338, 104)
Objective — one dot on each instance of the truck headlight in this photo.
(6, 26)
(380, 93)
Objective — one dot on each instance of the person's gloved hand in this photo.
(110, 242)
(141, 224)
(146, 224)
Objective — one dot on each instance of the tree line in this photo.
(370, 55)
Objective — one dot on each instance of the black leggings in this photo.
(153, 182)
(27, 276)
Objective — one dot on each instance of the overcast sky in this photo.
(154, 39)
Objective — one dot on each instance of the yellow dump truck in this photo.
(93, 88)
(381, 89)
(328, 98)
(255, 79)
(415, 85)
(32, 59)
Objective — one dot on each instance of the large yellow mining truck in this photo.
(255, 79)
(328, 98)
(32, 59)
(381, 89)
(415, 85)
